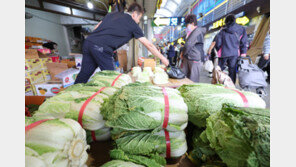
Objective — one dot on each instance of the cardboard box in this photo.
(46, 75)
(36, 76)
(29, 90)
(149, 63)
(55, 59)
(78, 60)
(44, 61)
(48, 88)
(34, 64)
(56, 68)
(122, 58)
(44, 51)
(68, 76)
(31, 54)
(27, 67)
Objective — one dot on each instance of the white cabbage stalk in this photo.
(58, 143)
(143, 77)
(148, 70)
(136, 71)
(160, 78)
(120, 163)
(158, 69)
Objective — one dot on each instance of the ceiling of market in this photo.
(171, 8)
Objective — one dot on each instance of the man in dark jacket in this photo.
(115, 30)
(171, 54)
(231, 42)
(193, 49)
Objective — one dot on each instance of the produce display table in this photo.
(173, 83)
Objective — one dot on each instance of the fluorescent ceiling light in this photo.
(90, 5)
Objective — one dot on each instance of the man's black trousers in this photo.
(94, 56)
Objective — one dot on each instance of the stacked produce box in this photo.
(35, 66)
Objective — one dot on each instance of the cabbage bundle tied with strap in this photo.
(120, 163)
(68, 103)
(147, 143)
(57, 142)
(107, 77)
(206, 99)
(240, 136)
(140, 107)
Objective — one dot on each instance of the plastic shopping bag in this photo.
(208, 66)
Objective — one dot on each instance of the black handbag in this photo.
(175, 72)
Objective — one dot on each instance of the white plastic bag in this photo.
(208, 66)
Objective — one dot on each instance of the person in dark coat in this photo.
(193, 50)
(231, 42)
(115, 30)
(171, 54)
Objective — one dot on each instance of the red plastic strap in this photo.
(245, 100)
(166, 108)
(32, 125)
(93, 135)
(168, 144)
(115, 79)
(85, 104)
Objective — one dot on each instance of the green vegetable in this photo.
(140, 107)
(101, 135)
(57, 142)
(147, 143)
(153, 160)
(120, 163)
(202, 154)
(201, 147)
(240, 136)
(106, 78)
(67, 104)
(204, 100)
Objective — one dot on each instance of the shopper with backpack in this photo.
(231, 42)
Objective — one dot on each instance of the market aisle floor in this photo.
(205, 79)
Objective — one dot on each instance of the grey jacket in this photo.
(266, 45)
(193, 49)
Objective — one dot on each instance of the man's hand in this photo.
(181, 56)
(209, 52)
(153, 50)
(165, 61)
(243, 55)
(266, 56)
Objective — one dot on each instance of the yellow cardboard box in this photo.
(44, 61)
(36, 76)
(34, 64)
(46, 75)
